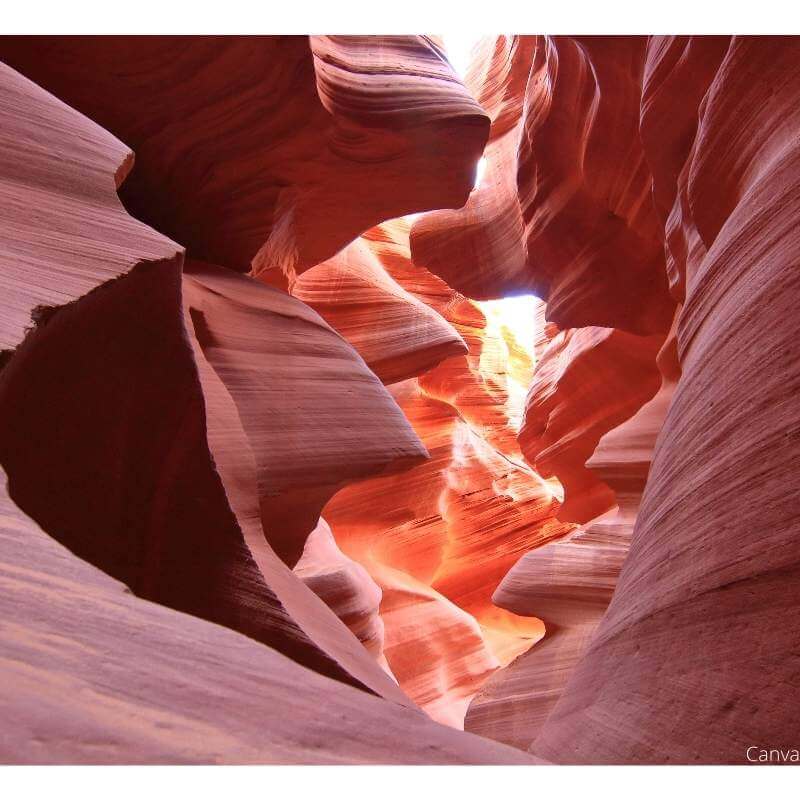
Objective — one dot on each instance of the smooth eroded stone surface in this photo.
(273, 149)
(439, 538)
(94, 675)
(64, 230)
(315, 416)
(298, 622)
(588, 381)
(569, 584)
(697, 657)
(345, 587)
(397, 335)
(436, 650)
(118, 466)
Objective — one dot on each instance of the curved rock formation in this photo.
(347, 147)
(315, 416)
(352, 291)
(436, 650)
(696, 658)
(446, 532)
(564, 210)
(153, 449)
(345, 587)
(569, 584)
(479, 249)
(179, 425)
(588, 381)
(93, 675)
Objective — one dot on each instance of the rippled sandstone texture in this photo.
(672, 164)
(569, 584)
(697, 656)
(202, 419)
(131, 433)
(439, 538)
(347, 149)
(142, 465)
(564, 209)
(93, 675)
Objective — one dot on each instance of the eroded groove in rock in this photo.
(359, 129)
(314, 414)
(345, 587)
(439, 538)
(588, 381)
(569, 584)
(436, 650)
(353, 292)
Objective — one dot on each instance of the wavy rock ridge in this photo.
(439, 538)
(153, 466)
(633, 174)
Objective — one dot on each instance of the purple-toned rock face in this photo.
(288, 477)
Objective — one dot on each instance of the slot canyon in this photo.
(399, 400)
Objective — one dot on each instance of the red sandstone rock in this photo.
(564, 210)
(436, 650)
(396, 334)
(134, 472)
(448, 530)
(568, 583)
(345, 587)
(589, 381)
(315, 416)
(59, 174)
(277, 150)
(697, 656)
(168, 461)
(93, 675)
(480, 248)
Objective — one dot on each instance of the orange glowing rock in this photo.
(569, 584)
(397, 335)
(166, 687)
(448, 530)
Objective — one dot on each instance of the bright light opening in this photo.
(514, 325)
(459, 47)
(519, 315)
(479, 171)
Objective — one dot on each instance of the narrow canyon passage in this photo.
(398, 399)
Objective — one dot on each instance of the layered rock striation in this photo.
(439, 538)
(270, 153)
(150, 413)
(696, 658)
(576, 535)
